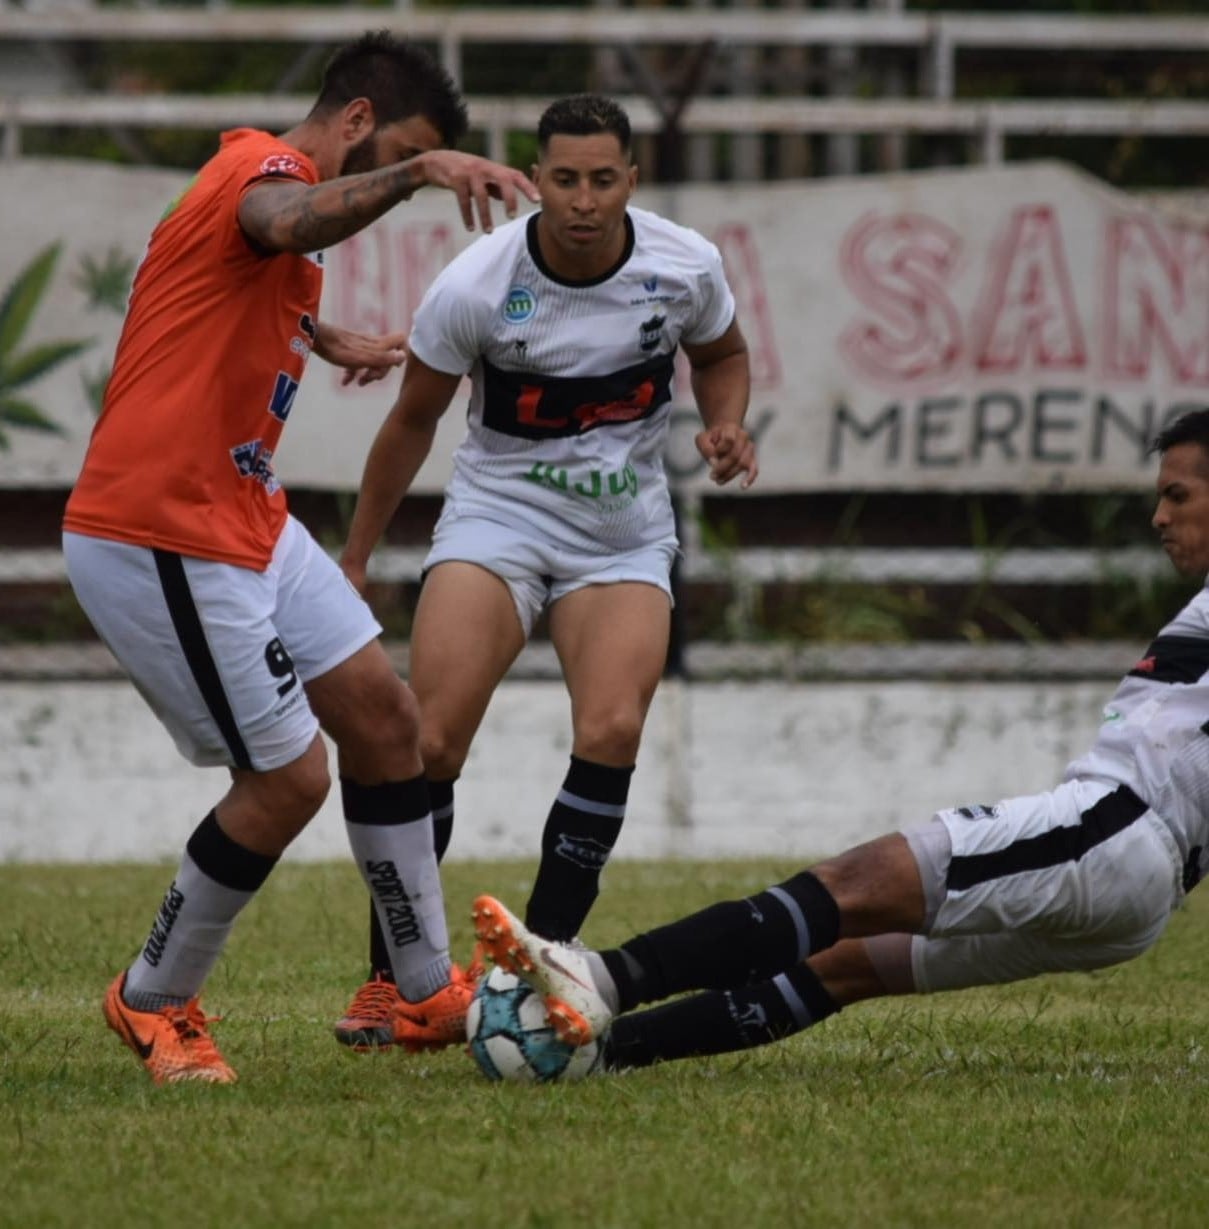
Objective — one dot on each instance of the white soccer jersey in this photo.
(1155, 736)
(571, 381)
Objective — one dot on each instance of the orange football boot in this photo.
(172, 1043)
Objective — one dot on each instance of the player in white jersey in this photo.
(568, 323)
(1080, 877)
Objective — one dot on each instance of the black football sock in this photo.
(731, 944)
(580, 833)
(719, 1022)
(440, 797)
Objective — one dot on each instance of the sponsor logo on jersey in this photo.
(285, 388)
(281, 164)
(520, 305)
(650, 333)
(651, 286)
(1174, 659)
(529, 405)
(302, 346)
(614, 490)
(254, 460)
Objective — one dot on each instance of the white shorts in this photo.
(1078, 878)
(537, 571)
(220, 652)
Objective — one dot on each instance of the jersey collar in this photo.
(535, 252)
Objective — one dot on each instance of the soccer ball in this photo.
(511, 1038)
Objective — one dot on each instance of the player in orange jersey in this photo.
(243, 636)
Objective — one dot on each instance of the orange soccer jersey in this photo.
(214, 344)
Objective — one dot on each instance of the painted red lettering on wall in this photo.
(897, 267)
(1156, 299)
(1145, 315)
(1027, 317)
(741, 261)
(379, 275)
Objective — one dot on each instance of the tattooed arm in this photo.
(282, 215)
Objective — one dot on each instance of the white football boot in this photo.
(559, 972)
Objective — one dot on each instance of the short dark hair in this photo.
(584, 115)
(399, 79)
(1189, 428)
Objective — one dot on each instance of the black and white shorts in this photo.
(537, 570)
(220, 652)
(1080, 877)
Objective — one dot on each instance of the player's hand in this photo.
(730, 451)
(365, 357)
(476, 182)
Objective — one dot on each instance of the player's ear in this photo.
(357, 120)
(633, 176)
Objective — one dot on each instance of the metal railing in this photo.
(989, 124)
(936, 39)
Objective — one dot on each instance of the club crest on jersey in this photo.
(650, 331)
(520, 305)
(281, 164)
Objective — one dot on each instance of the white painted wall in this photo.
(727, 769)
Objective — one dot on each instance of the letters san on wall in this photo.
(1014, 328)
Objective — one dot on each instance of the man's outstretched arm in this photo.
(283, 215)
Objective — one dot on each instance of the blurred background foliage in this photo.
(288, 67)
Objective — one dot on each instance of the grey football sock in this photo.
(604, 981)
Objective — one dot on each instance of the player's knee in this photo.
(609, 736)
(442, 751)
(307, 781)
(389, 717)
(876, 887)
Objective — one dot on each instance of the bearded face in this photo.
(362, 157)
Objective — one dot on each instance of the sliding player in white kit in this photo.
(1080, 877)
(568, 322)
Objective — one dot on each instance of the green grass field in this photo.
(1077, 1101)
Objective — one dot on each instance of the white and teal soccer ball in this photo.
(511, 1038)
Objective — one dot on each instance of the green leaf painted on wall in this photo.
(26, 367)
(18, 306)
(16, 412)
